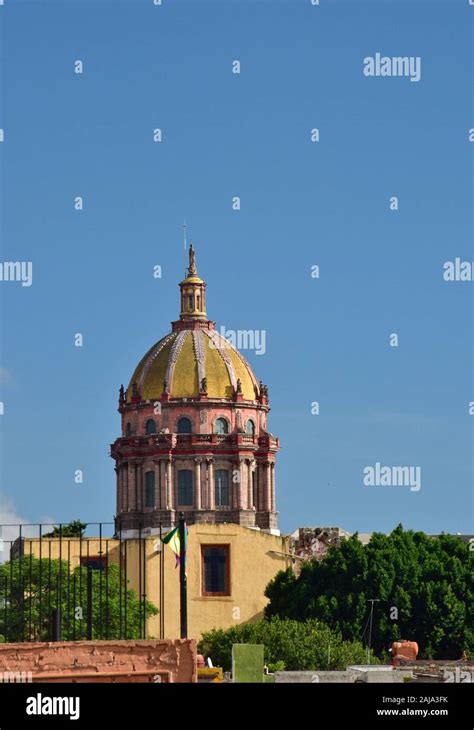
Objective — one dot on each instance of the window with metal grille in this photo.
(150, 489)
(215, 561)
(185, 487)
(221, 483)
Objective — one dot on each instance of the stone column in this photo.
(124, 469)
(259, 493)
(237, 485)
(124, 481)
(139, 485)
(273, 501)
(118, 491)
(212, 494)
(169, 485)
(156, 469)
(250, 467)
(204, 490)
(131, 486)
(232, 485)
(123, 488)
(174, 484)
(163, 495)
(197, 484)
(268, 486)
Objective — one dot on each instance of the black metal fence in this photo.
(58, 583)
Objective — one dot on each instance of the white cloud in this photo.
(9, 526)
(6, 378)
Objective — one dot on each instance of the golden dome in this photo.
(193, 360)
(190, 362)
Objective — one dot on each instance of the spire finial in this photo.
(192, 271)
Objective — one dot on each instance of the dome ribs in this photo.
(198, 344)
(174, 354)
(216, 343)
(151, 358)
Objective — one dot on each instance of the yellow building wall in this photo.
(255, 558)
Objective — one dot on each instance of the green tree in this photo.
(292, 645)
(31, 589)
(424, 587)
(75, 528)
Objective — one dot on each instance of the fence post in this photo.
(89, 604)
(56, 624)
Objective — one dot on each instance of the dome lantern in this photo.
(193, 292)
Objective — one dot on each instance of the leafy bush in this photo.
(430, 581)
(30, 588)
(298, 645)
(276, 666)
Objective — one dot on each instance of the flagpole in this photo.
(183, 588)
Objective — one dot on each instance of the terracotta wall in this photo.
(147, 661)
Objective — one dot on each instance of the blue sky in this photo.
(302, 204)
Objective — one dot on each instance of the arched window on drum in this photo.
(221, 426)
(250, 427)
(150, 427)
(184, 425)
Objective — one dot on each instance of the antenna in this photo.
(369, 646)
(185, 246)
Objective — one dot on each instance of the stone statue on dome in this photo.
(192, 261)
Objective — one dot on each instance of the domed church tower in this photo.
(194, 430)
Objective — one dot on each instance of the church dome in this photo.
(192, 418)
(180, 362)
(194, 359)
